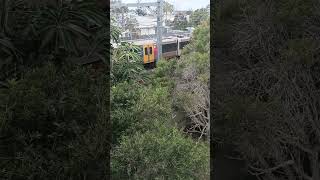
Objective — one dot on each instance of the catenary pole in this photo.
(159, 27)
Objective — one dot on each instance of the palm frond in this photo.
(8, 47)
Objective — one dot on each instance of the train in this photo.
(171, 48)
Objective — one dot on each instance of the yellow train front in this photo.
(148, 52)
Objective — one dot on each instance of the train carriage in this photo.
(171, 47)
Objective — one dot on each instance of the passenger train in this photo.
(171, 47)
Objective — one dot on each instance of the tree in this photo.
(168, 9)
(198, 16)
(35, 25)
(147, 144)
(159, 155)
(114, 31)
(131, 24)
(122, 12)
(41, 134)
(180, 22)
(266, 98)
(126, 63)
(192, 88)
(127, 22)
(51, 123)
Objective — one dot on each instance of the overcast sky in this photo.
(180, 4)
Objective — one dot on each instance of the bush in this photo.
(154, 102)
(162, 153)
(148, 146)
(54, 125)
(135, 106)
(124, 96)
(267, 82)
(191, 94)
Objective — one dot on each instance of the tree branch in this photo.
(269, 170)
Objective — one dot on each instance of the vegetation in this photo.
(180, 22)
(146, 142)
(167, 9)
(267, 85)
(165, 154)
(53, 113)
(54, 121)
(149, 142)
(192, 87)
(198, 16)
(126, 21)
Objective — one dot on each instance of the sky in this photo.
(180, 4)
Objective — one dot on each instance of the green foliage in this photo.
(53, 124)
(291, 12)
(154, 102)
(167, 8)
(126, 64)
(180, 22)
(191, 93)
(135, 108)
(114, 31)
(125, 94)
(267, 80)
(200, 39)
(147, 145)
(123, 98)
(127, 71)
(165, 68)
(160, 154)
(198, 16)
(163, 74)
(52, 30)
(301, 51)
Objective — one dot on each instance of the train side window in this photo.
(150, 50)
(169, 47)
(145, 51)
(183, 44)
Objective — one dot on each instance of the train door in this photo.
(151, 53)
(145, 54)
(148, 56)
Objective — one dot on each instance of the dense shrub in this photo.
(266, 86)
(164, 74)
(162, 153)
(53, 124)
(147, 143)
(134, 105)
(123, 98)
(191, 93)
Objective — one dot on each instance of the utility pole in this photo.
(159, 28)
(159, 5)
